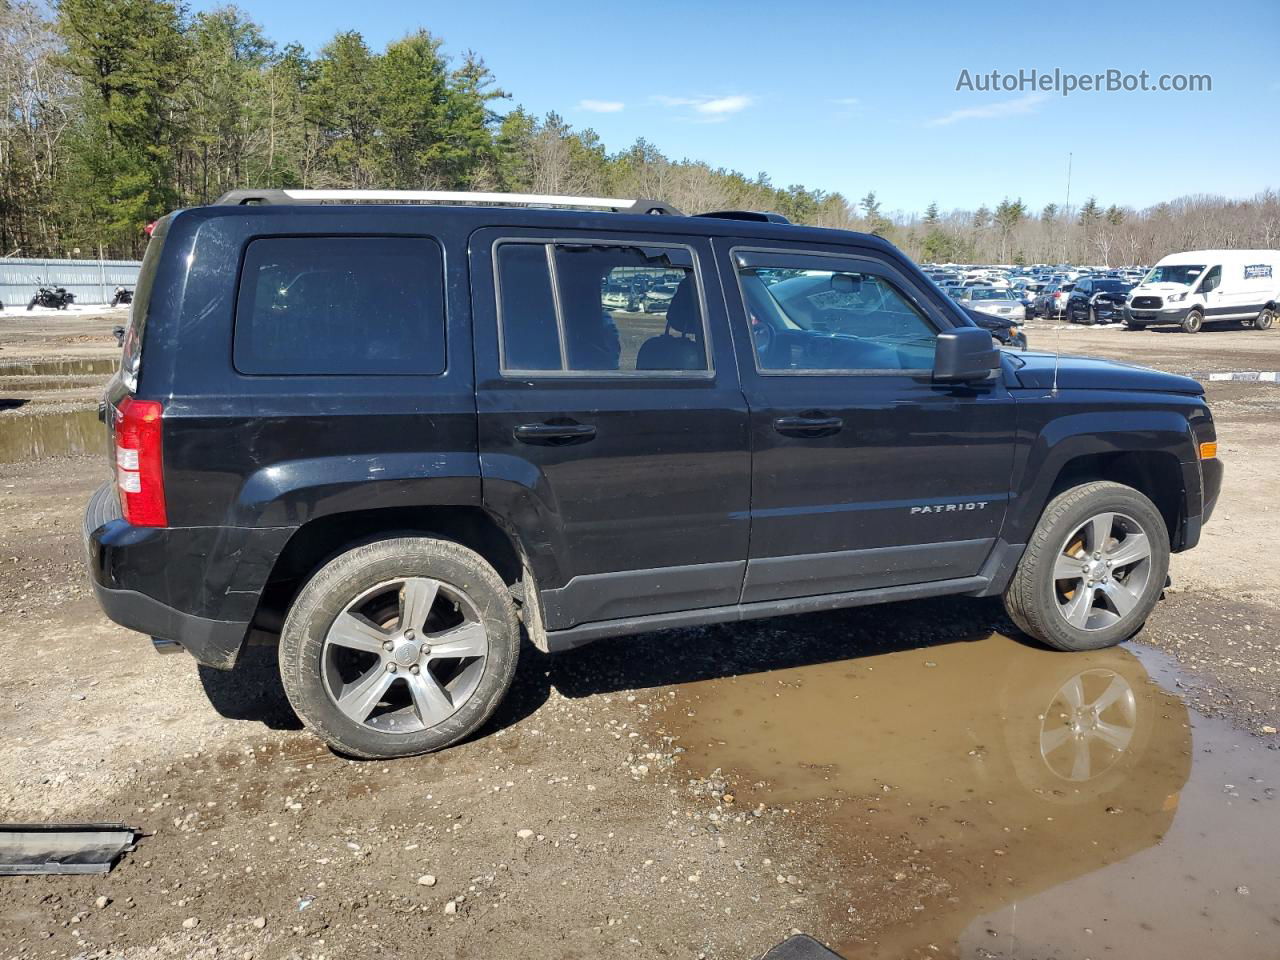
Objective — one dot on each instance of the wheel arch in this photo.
(320, 539)
(1154, 454)
(1154, 473)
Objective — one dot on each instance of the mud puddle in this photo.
(1061, 806)
(41, 435)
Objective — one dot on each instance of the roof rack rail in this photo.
(238, 198)
(758, 216)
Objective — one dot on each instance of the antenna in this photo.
(1057, 352)
(1066, 209)
(1057, 340)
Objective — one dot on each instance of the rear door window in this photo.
(341, 305)
(599, 308)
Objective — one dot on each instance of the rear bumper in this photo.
(215, 643)
(195, 586)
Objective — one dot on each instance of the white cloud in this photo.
(601, 106)
(1003, 108)
(709, 109)
(846, 101)
(723, 105)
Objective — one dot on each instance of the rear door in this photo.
(612, 429)
(865, 472)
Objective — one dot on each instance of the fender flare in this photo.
(1098, 432)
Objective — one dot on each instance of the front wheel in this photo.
(399, 647)
(1094, 568)
(1135, 325)
(1265, 319)
(1193, 322)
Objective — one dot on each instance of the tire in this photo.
(1265, 319)
(32, 304)
(1193, 322)
(1053, 610)
(1134, 324)
(455, 591)
(1019, 342)
(1090, 317)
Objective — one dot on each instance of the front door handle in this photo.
(808, 426)
(554, 434)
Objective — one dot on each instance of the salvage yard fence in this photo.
(92, 281)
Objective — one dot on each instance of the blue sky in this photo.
(859, 96)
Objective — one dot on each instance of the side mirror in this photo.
(965, 353)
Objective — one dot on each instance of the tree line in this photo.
(117, 111)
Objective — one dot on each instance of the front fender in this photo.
(1046, 449)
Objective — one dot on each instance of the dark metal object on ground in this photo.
(54, 848)
(800, 947)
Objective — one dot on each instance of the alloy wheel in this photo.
(1102, 571)
(405, 655)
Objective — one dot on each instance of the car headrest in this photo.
(682, 313)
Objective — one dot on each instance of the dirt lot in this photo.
(860, 775)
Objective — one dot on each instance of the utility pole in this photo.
(1066, 211)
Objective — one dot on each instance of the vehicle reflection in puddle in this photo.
(1061, 803)
(33, 436)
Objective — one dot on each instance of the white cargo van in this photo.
(1201, 286)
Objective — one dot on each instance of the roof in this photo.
(474, 211)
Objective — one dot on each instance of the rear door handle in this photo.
(808, 426)
(554, 434)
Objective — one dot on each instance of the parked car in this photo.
(391, 434)
(1189, 289)
(1097, 300)
(1007, 332)
(1052, 300)
(657, 299)
(996, 301)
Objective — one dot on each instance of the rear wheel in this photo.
(1193, 322)
(1093, 570)
(399, 647)
(1265, 319)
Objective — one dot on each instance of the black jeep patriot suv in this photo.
(390, 429)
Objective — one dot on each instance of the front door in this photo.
(612, 430)
(865, 472)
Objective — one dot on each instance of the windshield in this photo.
(1184, 273)
(989, 293)
(1110, 286)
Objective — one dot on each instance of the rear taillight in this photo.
(140, 462)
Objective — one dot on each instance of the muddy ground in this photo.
(894, 780)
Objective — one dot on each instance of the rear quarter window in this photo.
(341, 305)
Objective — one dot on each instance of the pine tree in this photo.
(131, 58)
(1007, 217)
